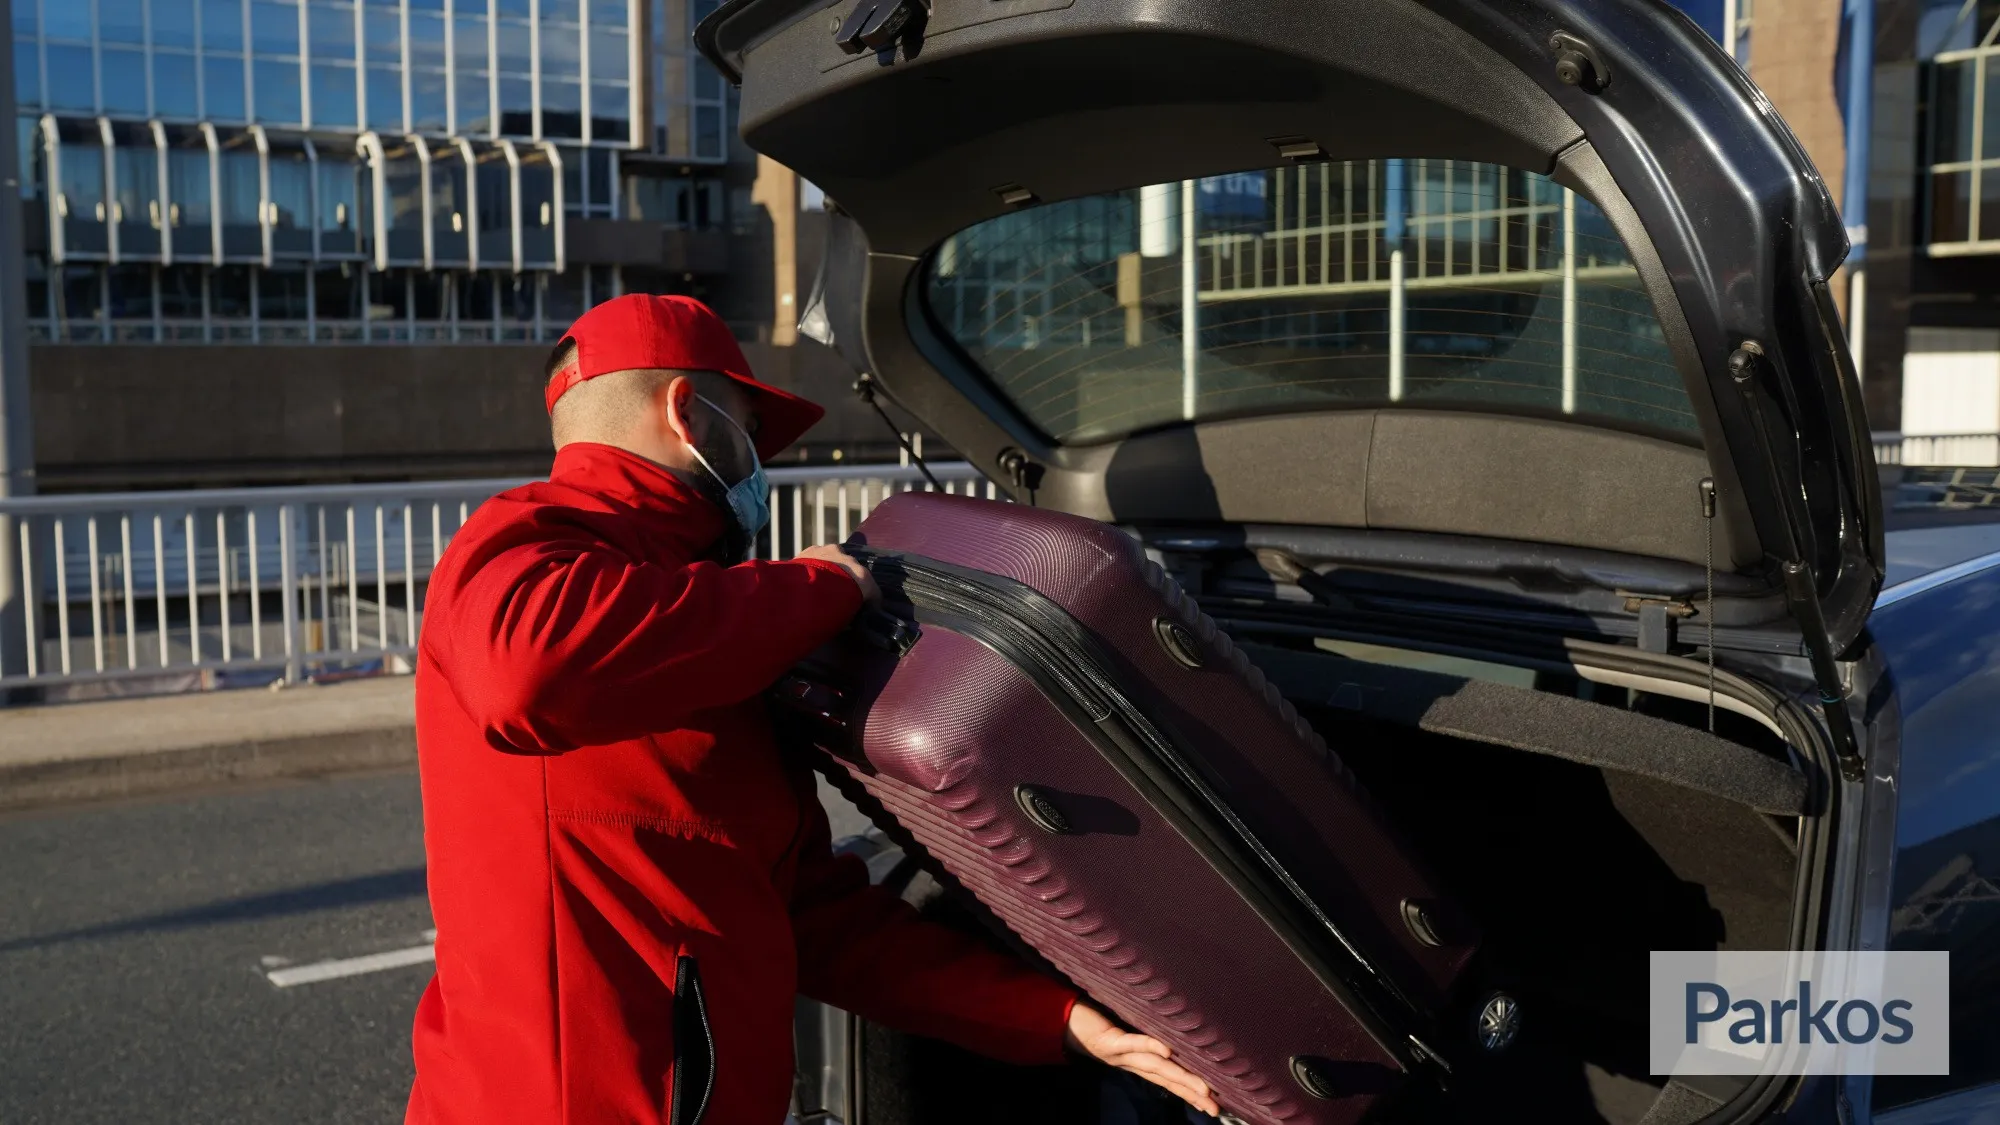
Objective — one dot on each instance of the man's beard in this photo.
(734, 545)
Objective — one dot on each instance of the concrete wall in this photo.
(1951, 381)
(117, 417)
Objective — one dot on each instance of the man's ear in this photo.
(677, 399)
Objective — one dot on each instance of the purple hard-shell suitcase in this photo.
(1074, 742)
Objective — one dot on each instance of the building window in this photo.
(188, 189)
(472, 71)
(274, 29)
(1963, 136)
(333, 101)
(80, 204)
(135, 191)
(451, 206)
(517, 294)
(124, 81)
(67, 41)
(77, 297)
(344, 192)
(561, 47)
(222, 88)
(430, 305)
(240, 171)
(230, 292)
(182, 303)
(430, 111)
(223, 81)
(540, 208)
(562, 297)
(69, 78)
(283, 305)
(32, 163)
(513, 61)
(388, 305)
(130, 303)
(275, 74)
(331, 47)
(684, 203)
(176, 89)
(610, 76)
(475, 311)
(688, 105)
(338, 296)
(403, 203)
(174, 25)
(40, 328)
(27, 73)
(710, 136)
(382, 49)
(589, 176)
(121, 21)
(27, 56)
(176, 36)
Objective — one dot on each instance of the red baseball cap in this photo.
(645, 330)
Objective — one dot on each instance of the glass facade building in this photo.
(1426, 283)
(355, 170)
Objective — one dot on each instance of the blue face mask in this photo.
(750, 498)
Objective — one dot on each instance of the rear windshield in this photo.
(1424, 283)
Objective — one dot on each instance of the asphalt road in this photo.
(133, 944)
(136, 939)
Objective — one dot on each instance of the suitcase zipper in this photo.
(1041, 639)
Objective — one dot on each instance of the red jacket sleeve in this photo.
(863, 949)
(555, 644)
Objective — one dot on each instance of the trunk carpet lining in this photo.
(1539, 722)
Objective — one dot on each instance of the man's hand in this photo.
(1092, 1033)
(869, 591)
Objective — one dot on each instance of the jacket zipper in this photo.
(694, 1047)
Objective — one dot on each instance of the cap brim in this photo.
(782, 417)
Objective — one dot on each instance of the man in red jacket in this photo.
(630, 882)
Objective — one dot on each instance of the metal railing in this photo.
(1970, 450)
(269, 330)
(163, 591)
(1467, 225)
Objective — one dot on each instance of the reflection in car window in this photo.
(1424, 283)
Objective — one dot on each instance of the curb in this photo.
(144, 773)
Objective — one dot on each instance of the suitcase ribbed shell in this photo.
(1124, 904)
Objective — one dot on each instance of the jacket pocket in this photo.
(694, 1047)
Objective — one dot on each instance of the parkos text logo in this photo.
(1765, 1012)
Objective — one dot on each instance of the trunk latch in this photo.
(1657, 620)
(874, 25)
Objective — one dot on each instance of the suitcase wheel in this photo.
(1498, 1023)
(1179, 641)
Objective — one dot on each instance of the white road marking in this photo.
(351, 966)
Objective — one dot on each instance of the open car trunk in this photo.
(1497, 332)
(1580, 809)
(1578, 865)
